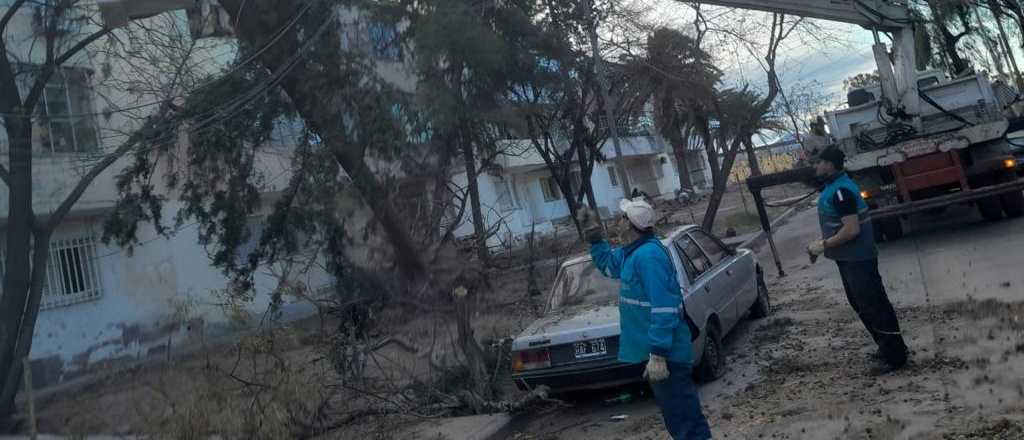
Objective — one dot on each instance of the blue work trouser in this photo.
(680, 405)
(867, 296)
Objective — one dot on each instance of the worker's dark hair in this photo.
(833, 155)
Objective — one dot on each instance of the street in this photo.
(802, 373)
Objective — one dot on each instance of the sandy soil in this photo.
(801, 373)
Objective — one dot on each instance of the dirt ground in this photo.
(803, 373)
(799, 374)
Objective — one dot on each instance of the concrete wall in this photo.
(163, 294)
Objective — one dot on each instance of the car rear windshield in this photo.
(581, 284)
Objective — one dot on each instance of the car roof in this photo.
(582, 258)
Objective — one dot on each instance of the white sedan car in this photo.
(575, 345)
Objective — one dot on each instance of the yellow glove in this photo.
(816, 248)
(657, 369)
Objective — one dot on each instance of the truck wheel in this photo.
(991, 208)
(1013, 204)
(887, 229)
(878, 227)
(893, 229)
(712, 362)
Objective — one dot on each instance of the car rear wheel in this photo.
(762, 306)
(712, 363)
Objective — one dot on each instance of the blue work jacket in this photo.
(650, 300)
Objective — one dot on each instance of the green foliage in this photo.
(678, 76)
(207, 156)
(740, 114)
(214, 175)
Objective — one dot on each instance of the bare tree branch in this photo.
(11, 10)
(84, 183)
(81, 45)
(54, 61)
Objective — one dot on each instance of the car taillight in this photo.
(531, 360)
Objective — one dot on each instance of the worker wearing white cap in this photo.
(651, 316)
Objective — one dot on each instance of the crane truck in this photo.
(915, 142)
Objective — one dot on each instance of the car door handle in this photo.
(707, 287)
(728, 272)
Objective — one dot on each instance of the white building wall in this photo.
(532, 208)
(163, 293)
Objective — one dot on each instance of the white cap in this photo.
(638, 211)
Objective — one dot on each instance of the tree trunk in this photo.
(407, 255)
(958, 64)
(586, 163)
(28, 322)
(479, 228)
(755, 166)
(721, 183)
(565, 185)
(470, 348)
(604, 88)
(682, 166)
(439, 196)
(709, 148)
(17, 276)
(322, 108)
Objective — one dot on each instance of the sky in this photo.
(803, 59)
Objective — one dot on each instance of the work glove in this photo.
(657, 369)
(591, 224)
(815, 249)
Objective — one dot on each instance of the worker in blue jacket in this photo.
(650, 316)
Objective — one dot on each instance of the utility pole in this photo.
(609, 109)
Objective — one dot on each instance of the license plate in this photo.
(591, 348)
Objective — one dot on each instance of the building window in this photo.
(67, 121)
(613, 176)
(72, 272)
(550, 188)
(384, 43)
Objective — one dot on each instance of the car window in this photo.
(715, 252)
(695, 258)
(691, 272)
(581, 284)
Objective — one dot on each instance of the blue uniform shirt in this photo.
(830, 216)
(650, 300)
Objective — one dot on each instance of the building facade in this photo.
(102, 303)
(520, 196)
